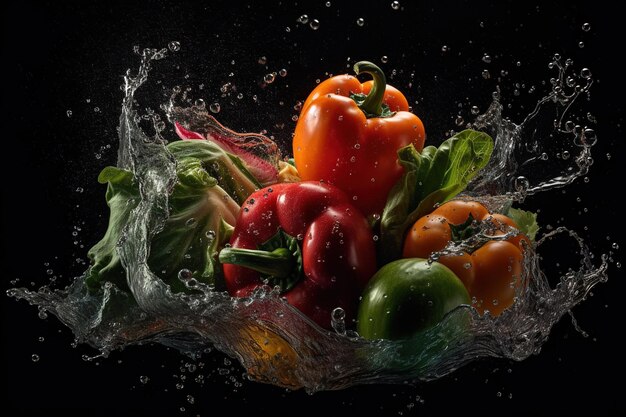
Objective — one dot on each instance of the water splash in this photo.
(274, 342)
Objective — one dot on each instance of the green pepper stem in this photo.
(373, 103)
(277, 263)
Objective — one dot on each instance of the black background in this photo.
(70, 55)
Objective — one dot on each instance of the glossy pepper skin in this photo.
(490, 273)
(353, 143)
(324, 256)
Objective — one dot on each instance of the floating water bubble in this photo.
(444, 48)
(262, 60)
(360, 21)
(282, 72)
(68, 113)
(215, 107)
(303, 19)
(144, 379)
(315, 24)
(486, 59)
(384, 59)
(269, 77)
(174, 46)
(586, 27)
(34, 357)
(585, 73)
(395, 5)
(581, 44)
(486, 75)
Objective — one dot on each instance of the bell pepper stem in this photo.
(373, 103)
(277, 263)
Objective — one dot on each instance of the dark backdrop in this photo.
(69, 57)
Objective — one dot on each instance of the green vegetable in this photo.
(431, 177)
(526, 220)
(408, 296)
(203, 206)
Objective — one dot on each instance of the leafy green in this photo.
(526, 220)
(431, 177)
(203, 206)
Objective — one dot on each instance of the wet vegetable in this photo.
(431, 177)
(407, 296)
(490, 269)
(211, 185)
(307, 239)
(348, 134)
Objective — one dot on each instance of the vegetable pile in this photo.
(367, 224)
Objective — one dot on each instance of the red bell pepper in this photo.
(308, 239)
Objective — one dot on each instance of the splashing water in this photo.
(273, 341)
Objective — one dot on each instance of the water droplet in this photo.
(581, 44)
(282, 72)
(190, 399)
(360, 21)
(68, 113)
(459, 120)
(210, 234)
(467, 265)
(357, 146)
(384, 59)
(34, 357)
(215, 107)
(486, 75)
(191, 222)
(144, 379)
(375, 238)
(486, 59)
(615, 245)
(315, 24)
(585, 73)
(270, 77)
(586, 27)
(544, 156)
(475, 110)
(328, 4)
(174, 46)
(395, 5)
(444, 48)
(41, 338)
(303, 19)
(565, 155)
(263, 60)
(521, 183)
(185, 275)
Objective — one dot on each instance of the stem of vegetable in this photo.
(277, 263)
(373, 103)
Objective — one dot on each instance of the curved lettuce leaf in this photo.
(203, 206)
(431, 177)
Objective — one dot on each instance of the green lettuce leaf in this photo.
(203, 207)
(431, 177)
(526, 220)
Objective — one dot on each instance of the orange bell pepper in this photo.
(348, 134)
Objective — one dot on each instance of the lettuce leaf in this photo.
(203, 206)
(526, 220)
(431, 177)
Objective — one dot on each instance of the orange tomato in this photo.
(492, 273)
